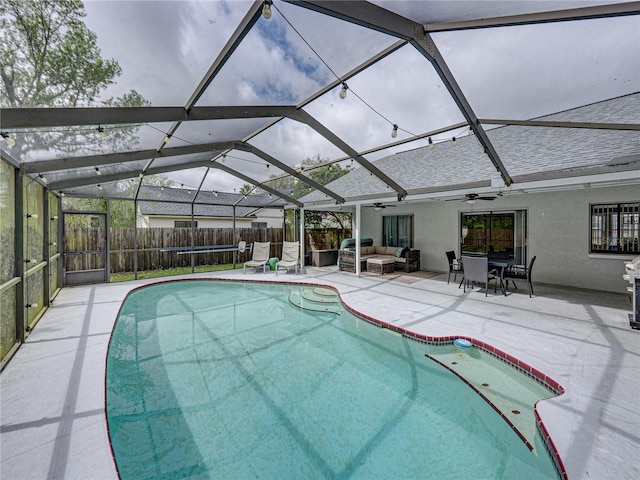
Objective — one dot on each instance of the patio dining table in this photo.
(500, 264)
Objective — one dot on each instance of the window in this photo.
(397, 231)
(185, 224)
(258, 224)
(500, 234)
(615, 228)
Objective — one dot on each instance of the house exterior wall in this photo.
(558, 233)
(156, 221)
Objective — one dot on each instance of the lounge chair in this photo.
(260, 256)
(476, 269)
(290, 256)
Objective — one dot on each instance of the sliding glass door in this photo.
(397, 230)
(499, 234)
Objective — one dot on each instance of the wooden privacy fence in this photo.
(154, 243)
(157, 246)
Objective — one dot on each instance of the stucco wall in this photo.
(168, 222)
(558, 233)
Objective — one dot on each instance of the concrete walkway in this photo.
(52, 398)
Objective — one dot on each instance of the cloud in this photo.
(165, 48)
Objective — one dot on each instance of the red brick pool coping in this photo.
(522, 367)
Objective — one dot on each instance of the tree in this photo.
(247, 189)
(322, 174)
(314, 169)
(49, 58)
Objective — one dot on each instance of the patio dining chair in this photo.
(520, 272)
(476, 269)
(260, 256)
(454, 266)
(290, 256)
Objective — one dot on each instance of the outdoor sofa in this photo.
(404, 259)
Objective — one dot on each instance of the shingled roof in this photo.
(529, 152)
(177, 202)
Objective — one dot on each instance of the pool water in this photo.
(212, 379)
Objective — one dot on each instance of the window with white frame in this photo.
(615, 228)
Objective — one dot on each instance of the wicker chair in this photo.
(476, 269)
(520, 272)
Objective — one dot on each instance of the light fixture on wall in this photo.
(343, 90)
(471, 201)
(394, 132)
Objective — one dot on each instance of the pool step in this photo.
(510, 392)
(316, 299)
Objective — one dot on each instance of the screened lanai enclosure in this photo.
(254, 114)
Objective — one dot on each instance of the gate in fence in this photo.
(85, 256)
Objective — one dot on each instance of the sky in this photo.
(165, 48)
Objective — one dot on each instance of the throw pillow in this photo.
(399, 252)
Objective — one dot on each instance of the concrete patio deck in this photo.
(52, 401)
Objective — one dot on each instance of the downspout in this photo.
(357, 238)
(302, 238)
(193, 241)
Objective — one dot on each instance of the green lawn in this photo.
(123, 277)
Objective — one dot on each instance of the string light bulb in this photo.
(215, 194)
(8, 140)
(101, 133)
(453, 141)
(224, 158)
(267, 165)
(43, 178)
(98, 172)
(431, 144)
(266, 9)
(99, 187)
(343, 90)
(32, 215)
(166, 139)
(394, 132)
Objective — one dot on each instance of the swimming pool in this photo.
(212, 379)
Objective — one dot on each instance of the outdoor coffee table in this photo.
(380, 265)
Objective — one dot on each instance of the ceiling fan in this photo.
(471, 198)
(380, 206)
